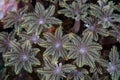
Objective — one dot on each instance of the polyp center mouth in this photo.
(24, 57)
(41, 21)
(82, 50)
(111, 67)
(58, 45)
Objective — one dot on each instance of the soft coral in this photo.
(6, 5)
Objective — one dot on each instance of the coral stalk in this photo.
(76, 26)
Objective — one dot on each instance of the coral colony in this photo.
(59, 40)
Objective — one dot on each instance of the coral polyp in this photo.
(54, 43)
(21, 57)
(83, 49)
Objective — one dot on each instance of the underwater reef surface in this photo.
(59, 40)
